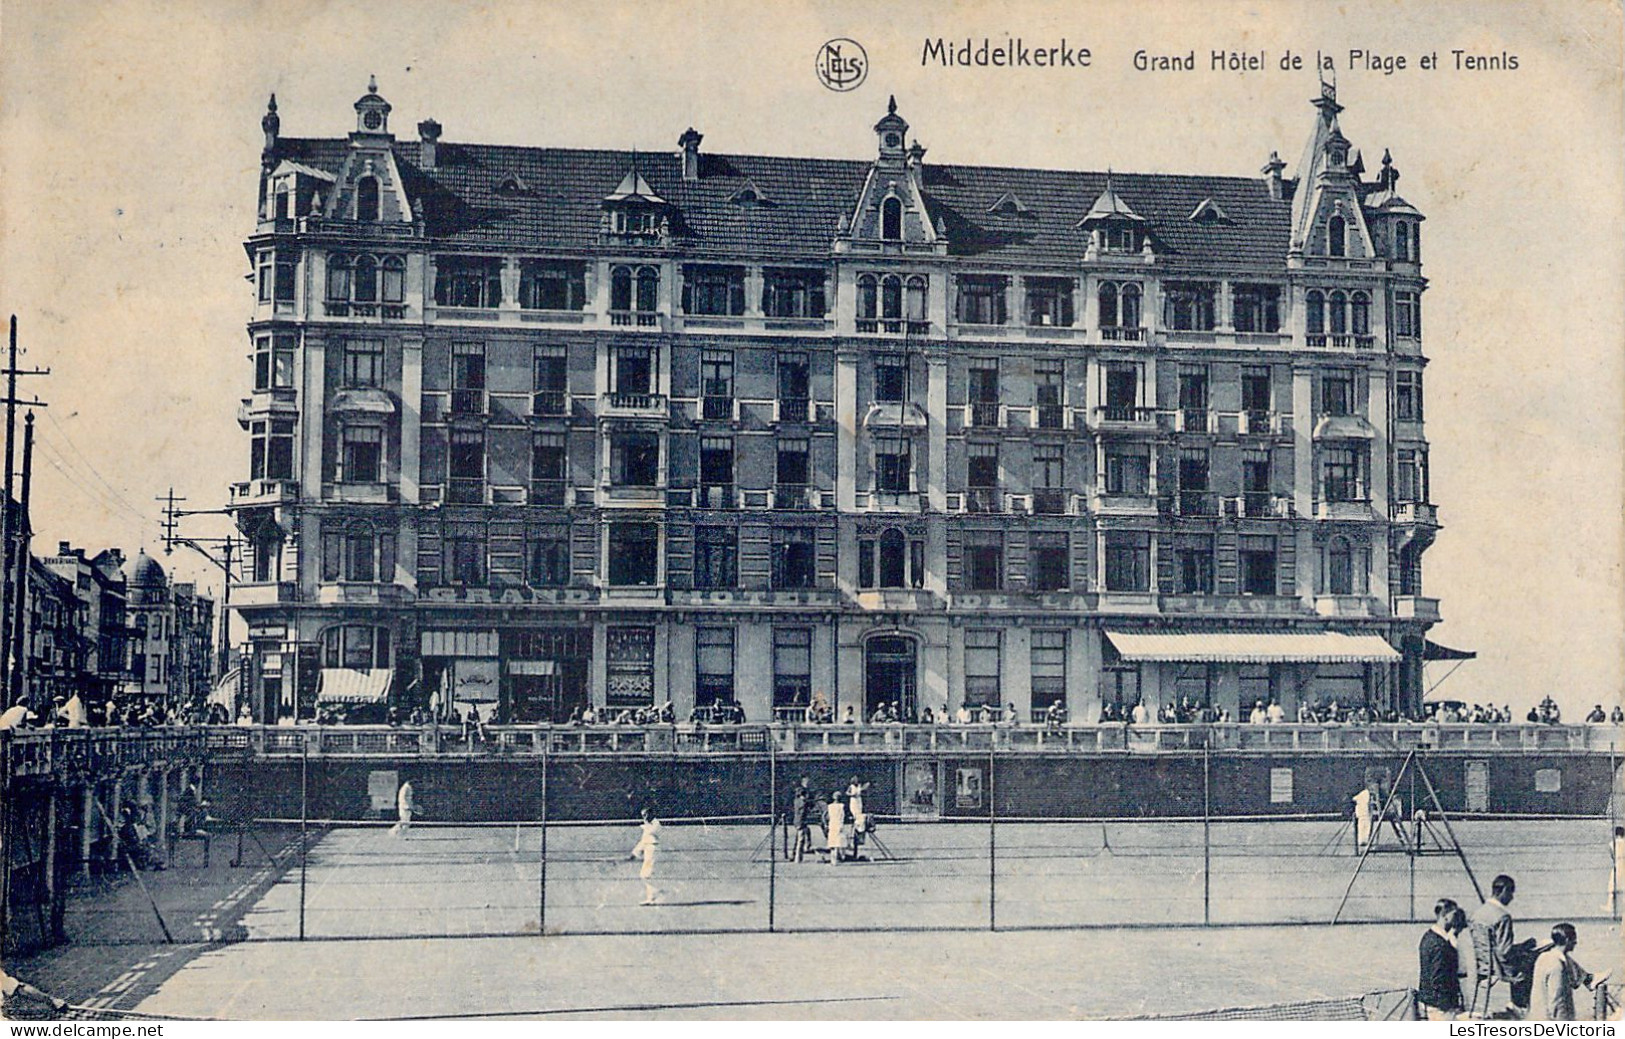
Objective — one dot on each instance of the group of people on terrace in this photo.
(71, 712)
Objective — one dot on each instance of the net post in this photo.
(992, 851)
(541, 870)
(772, 833)
(1414, 846)
(304, 823)
(1207, 842)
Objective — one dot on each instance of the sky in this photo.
(129, 156)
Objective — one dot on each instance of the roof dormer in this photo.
(1113, 225)
(1326, 213)
(633, 214)
(891, 214)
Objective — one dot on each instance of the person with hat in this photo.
(835, 826)
(802, 805)
(16, 716)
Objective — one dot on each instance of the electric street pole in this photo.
(11, 514)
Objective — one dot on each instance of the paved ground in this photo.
(606, 954)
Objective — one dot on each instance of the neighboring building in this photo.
(555, 426)
(98, 583)
(172, 631)
(192, 650)
(56, 637)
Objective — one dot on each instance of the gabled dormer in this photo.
(891, 214)
(367, 188)
(294, 190)
(1114, 227)
(1010, 204)
(1395, 224)
(1208, 211)
(749, 194)
(1326, 215)
(634, 215)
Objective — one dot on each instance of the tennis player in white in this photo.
(647, 845)
(403, 810)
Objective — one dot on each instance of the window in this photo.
(794, 387)
(273, 361)
(891, 219)
(1047, 562)
(634, 289)
(1407, 315)
(1315, 313)
(340, 280)
(716, 472)
(713, 290)
(356, 646)
(552, 285)
(1360, 314)
(894, 466)
(1255, 308)
(287, 276)
(1193, 564)
(916, 293)
(634, 370)
(716, 558)
(792, 475)
(629, 660)
(634, 459)
(465, 466)
(551, 381)
(265, 274)
(467, 281)
(1049, 466)
(984, 392)
(1345, 570)
(1337, 393)
(1337, 311)
(1049, 393)
(1122, 388)
(468, 379)
(1128, 561)
(1411, 476)
(1408, 396)
(547, 557)
(1342, 474)
(363, 362)
(717, 384)
(1188, 306)
(982, 465)
(891, 378)
(363, 455)
(547, 469)
(464, 548)
(1255, 483)
(713, 666)
(1255, 394)
(1119, 304)
(1402, 241)
(633, 555)
(984, 561)
(893, 561)
(1194, 499)
(793, 558)
(1128, 469)
(982, 299)
(366, 198)
(266, 546)
(789, 292)
(792, 667)
(1193, 398)
(271, 449)
(358, 554)
(982, 668)
(1337, 238)
(1049, 301)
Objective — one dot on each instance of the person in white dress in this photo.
(835, 827)
(1364, 818)
(648, 844)
(854, 808)
(403, 810)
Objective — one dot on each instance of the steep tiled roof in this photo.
(463, 207)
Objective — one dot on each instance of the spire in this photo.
(891, 105)
(1388, 176)
(372, 111)
(271, 123)
(372, 83)
(891, 131)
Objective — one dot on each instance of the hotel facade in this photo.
(541, 428)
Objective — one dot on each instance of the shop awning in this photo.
(224, 692)
(1325, 647)
(1433, 651)
(353, 685)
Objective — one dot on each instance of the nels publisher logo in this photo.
(842, 64)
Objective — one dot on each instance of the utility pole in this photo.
(207, 548)
(9, 512)
(24, 536)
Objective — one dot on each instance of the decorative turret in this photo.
(1113, 225)
(372, 111)
(891, 132)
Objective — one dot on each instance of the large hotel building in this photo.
(542, 428)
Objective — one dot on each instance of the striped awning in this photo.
(353, 685)
(1324, 647)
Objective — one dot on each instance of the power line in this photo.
(87, 463)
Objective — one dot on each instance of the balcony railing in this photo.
(717, 409)
(264, 491)
(794, 496)
(1051, 416)
(984, 500)
(718, 496)
(465, 491)
(548, 403)
(795, 409)
(984, 414)
(1193, 420)
(1258, 423)
(1341, 341)
(548, 492)
(1195, 503)
(1049, 501)
(1122, 415)
(620, 401)
(1264, 505)
(1122, 334)
(892, 326)
(634, 318)
(468, 402)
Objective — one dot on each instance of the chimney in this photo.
(428, 142)
(690, 145)
(1272, 175)
(64, 548)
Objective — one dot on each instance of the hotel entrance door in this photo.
(890, 674)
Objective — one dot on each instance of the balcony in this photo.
(1115, 601)
(1127, 500)
(1258, 423)
(892, 327)
(1416, 608)
(1050, 501)
(1125, 417)
(896, 600)
(1419, 513)
(353, 593)
(264, 492)
(985, 500)
(1343, 508)
(1357, 607)
(1234, 605)
(1340, 341)
(984, 414)
(1260, 505)
(718, 409)
(468, 402)
(890, 501)
(794, 409)
(717, 496)
(645, 405)
(1117, 334)
(554, 493)
(1050, 416)
(635, 319)
(1194, 503)
(795, 496)
(1194, 420)
(344, 308)
(549, 404)
(465, 491)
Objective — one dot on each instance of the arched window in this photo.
(366, 279)
(1108, 304)
(1360, 314)
(1315, 314)
(366, 198)
(1131, 306)
(893, 552)
(394, 279)
(1336, 237)
(891, 220)
(916, 298)
(358, 646)
(283, 208)
(620, 288)
(648, 289)
(891, 297)
(1339, 567)
(868, 297)
(338, 276)
(1339, 313)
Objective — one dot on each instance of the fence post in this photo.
(772, 834)
(992, 852)
(1207, 840)
(541, 878)
(304, 822)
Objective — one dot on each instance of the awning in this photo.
(1433, 651)
(1344, 427)
(353, 685)
(224, 692)
(1326, 647)
(362, 401)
